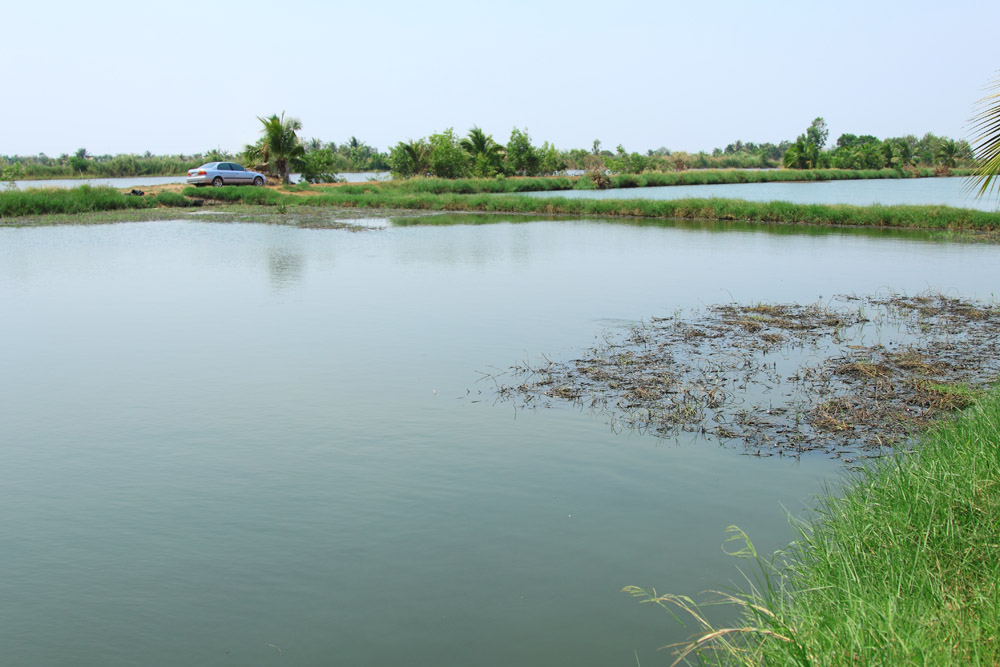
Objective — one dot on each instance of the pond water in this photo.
(920, 191)
(140, 181)
(261, 445)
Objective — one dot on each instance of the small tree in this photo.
(817, 133)
(447, 159)
(550, 160)
(11, 173)
(319, 166)
(522, 157)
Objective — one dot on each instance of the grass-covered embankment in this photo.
(649, 179)
(903, 568)
(376, 196)
(84, 199)
(379, 196)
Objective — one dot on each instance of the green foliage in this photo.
(523, 159)
(78, 164)
(171, 199)
(242, 194)
(477, 155)
(900, 568)
(625, 163)
(485, 154)
(479, 195)
(817, 133)
(550, 160)
(447, 159)
(105, 166)
(84, 199)
(12, 172)
(986, 142)
(279, 150)
(803, 154)
(355, 155)
(412, 158)
(947, 153)
(319, 166)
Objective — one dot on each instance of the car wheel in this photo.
(258, 181)
(217, 181)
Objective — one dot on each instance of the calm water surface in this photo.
(140, 181)
(260, 445)
(920, 191)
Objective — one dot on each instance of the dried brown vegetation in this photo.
(857, 376)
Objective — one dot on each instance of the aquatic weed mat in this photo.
(855, 376)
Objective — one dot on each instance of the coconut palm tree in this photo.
(419, 154)
(947, 153)
(985, 126)
(486, 154)
(279, 149)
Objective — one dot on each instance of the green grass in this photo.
(84, 199)
(903, 568)
(376, 197)
(650, 179)
(118, 166)
(87, 199)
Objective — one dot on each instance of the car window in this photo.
(237, 167)
(224, 166)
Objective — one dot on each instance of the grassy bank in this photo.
(377, 197)
(650, 179)
(904, 568)
(372, 196)
(84, 199)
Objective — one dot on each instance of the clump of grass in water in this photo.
(696, 374)
(904, 568)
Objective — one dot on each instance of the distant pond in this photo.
(891, 191)
(139, 181)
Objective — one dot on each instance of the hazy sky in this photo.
(184, 77)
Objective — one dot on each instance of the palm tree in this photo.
(419, 154)
(986, 140)
(803, 154)
(947, 153)
(280, 147)
(486, 154)
(480, 143)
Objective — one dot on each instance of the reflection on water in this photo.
(219, 438)
(284, 267)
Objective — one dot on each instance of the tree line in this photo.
(852, 151)
(280, 151)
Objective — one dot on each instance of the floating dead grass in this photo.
(856, 376)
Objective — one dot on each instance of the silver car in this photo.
(224, 173)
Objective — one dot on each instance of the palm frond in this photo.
(985, 128)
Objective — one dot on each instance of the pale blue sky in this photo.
(188, 76)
